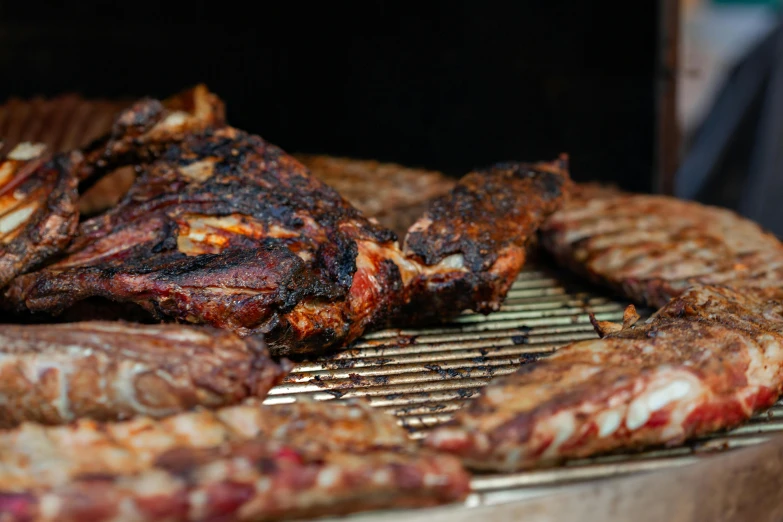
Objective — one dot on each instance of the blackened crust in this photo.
(472, 240)
(222, 228)
(487, 211)
(244, 290)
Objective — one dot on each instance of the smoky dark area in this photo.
(447, 86)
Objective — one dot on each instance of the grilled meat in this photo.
(227, 464)
(38, 214)
(137, 133)
(225, 229)
(54, 374)
(652, 248)
(149, 126)
(67, 122)
(393, 194)
(705, 362)
(471, 241)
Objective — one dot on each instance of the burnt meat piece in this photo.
(227, 465)
(393, 194)
(225, 229)
(470, 243)
(137, 133)
(54, 374)
(246, 290)
(705, 362)
(652, 248)
(38, 214)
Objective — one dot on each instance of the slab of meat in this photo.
(225, 229)
(652, 248)
(471, 241)
(56, 373)
(234, 463)
(393, 194)
(705, 362)
(38, 214)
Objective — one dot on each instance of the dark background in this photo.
(450, 85)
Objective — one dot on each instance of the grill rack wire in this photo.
(424, 375)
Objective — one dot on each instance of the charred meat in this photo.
(148, 126)
(226, 464)
(652, 248)
(706, 361)
(54, 374)
(38, 214)
(470, 244)
(225, 229)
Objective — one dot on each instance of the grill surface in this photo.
(424, 375)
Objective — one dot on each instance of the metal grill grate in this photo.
(424, 375)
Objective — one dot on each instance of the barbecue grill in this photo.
(424, 375)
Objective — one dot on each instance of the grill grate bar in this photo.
(424, 375)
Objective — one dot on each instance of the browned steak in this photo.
(707, 361)
(471, 241)
(393, 194)
(230, 464)
(54, 374)
(38, 214)
(652, 248)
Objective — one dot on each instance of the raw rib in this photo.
(38, 214)
(225, 229)
(224, 465)
(57, 373)
(652, 248)
(706, 361)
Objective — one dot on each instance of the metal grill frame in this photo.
(424, 375)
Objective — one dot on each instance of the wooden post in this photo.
(668, 142)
